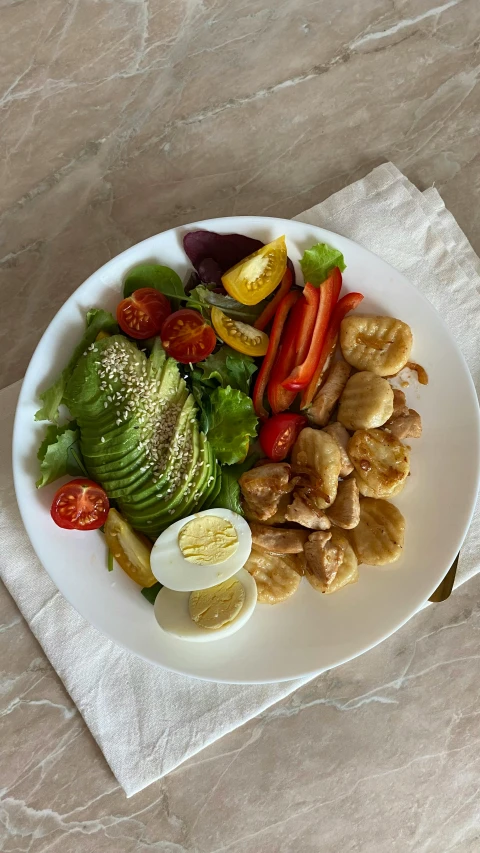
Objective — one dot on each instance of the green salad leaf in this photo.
(203, 299)
(228, 367)
(60, 454)
(319, 261)
(151, 592)
(98, 320)
(231, 422)
(229, 494)
(161, 278)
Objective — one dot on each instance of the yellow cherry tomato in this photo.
(239, 336)
(254, 278)
(131, 550)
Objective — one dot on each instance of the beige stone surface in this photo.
(118, 120)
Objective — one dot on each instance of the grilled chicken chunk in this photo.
(324, 403)
(405, 425)
(345, 510)
(399, 403)
(263, 488)
(278, 540)
(303, 512)
(323, 558)
(341, 436)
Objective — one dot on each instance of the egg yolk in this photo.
(215, 607)
(208, 540)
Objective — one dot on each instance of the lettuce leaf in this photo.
(231, 422)
(229, 494)
(161, 278)
(319, 261)
(228, 367)
(98, 320)
(203, 299)
(60, 454)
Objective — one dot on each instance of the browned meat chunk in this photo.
(305, 513)
(399, 403)
(323, 559)
(407, 425)
(330, 392)
(278, 517)
(278, 540)
(263, 488)
(341, 436)
(345, 510)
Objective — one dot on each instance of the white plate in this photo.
(310, 632)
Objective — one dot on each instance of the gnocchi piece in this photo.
(367, 401)
(381, 462)
(378, 538)
(277, 577)
(317, 454)
(347, 571)
(379, 344)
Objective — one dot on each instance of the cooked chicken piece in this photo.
(324, 403)
(341, 436)
(407, 425)
(316, 456)
(379, 344)
(378, 538)
(264, 486)
(278, 517)
(330, 563)
(399, 403)
(278, 540)
(303, 512)
(381, 461)
(345, 510)
(367, 401)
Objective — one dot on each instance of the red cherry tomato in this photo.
(142, 314)
(279, 434)
(80, 505)
(186, 336)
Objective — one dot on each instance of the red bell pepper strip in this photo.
(281, 315)
(303, 373)
(344, 305)
(278, 397)
(262, 322)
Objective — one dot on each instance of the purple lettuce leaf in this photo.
(213, 254)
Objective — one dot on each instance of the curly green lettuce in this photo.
(60, 454)
(232, 422)
(318, 262)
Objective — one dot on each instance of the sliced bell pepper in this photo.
(285, 285)
(281, 315)
(301, 376)
(287, 356)
(344, 305)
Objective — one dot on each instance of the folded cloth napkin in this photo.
(147, 720)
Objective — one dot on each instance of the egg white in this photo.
(175, 572)
(173, 616)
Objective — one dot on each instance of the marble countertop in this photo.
(120, 119)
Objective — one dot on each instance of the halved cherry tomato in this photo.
(80, 505)
(254, 278)
(279, 434)
(186, 336)
(143, 314)
(239, 336)
(130, 549)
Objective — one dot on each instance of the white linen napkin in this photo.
(146, 720)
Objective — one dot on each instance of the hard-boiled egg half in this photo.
(207, 614)
(201, 550)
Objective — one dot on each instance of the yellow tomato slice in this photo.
(254, 278)
(131, 550)
(239, 336)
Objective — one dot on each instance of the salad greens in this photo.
(151, 592)
(229, 494)
(203, 299)
(231, 423)
(60, 454)
(228, 367)
(161, 278)
(98, 320)
(319, 261)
